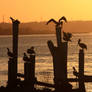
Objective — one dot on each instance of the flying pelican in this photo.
(59, 22)
(25, 57)
(63, 18)
(9, 53)
(82, 45)
(67, 36)
(31, 50)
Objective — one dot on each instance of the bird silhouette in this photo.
(63, 18)
(67, 36)
(12, 19)
(25, 57)
(9, 53)
(75, 72)
(31, 50)
(59, 22)
(82, 45)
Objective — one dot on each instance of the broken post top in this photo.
(15, 21)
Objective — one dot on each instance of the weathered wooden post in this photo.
(29, 71)
(15, 29)
(58, 36)
(81, 71)
(59, 55)
(11, 82)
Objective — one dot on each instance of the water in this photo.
(44, 69)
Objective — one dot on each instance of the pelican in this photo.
(13, 20)
(75, 72)
(9, 53)
(25, 57)
(63, 18)
(31, 50)
(59, 22)
(67, 36)
(82, 45)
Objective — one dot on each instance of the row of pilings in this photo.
(59, 54)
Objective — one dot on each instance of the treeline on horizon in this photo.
(42, 28)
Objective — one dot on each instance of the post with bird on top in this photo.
(81, 65)
(29, 68)
(59, 54)
(13, 62)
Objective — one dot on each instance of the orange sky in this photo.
(42, 10)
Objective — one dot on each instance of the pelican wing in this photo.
(63, 18)
(52, 20)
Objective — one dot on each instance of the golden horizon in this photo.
(33, 10)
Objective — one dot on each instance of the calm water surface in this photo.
(44, 69)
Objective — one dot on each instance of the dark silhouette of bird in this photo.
(63, 18)
(82, 45)
(31, 50)
(25, 57)
(59, 22)
(9, 53)
(67, 36)
(75, 72)
(13, 20)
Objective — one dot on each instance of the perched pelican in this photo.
(31, 50)
(9, 53)
(67, 36)
(82, 45)
(25, 57)
(59, 22)
(13, 20)
(75, 72)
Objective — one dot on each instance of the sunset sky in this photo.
(43, 10)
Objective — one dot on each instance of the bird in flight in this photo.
(67, 36)
(58, 23)
(82, 45)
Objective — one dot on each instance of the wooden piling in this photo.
(15, 29)
(59, 55)
(11, 73)
(58, 36)
(29, 72)
(81, 71)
